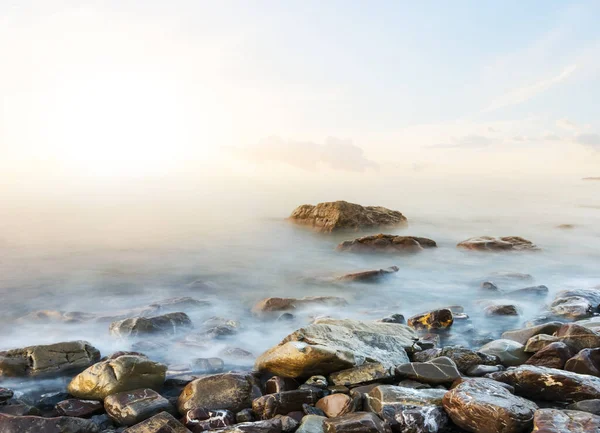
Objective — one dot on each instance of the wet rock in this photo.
(364, 374)
(317, 382)
(35, 424)
(311, 410)
(591, 295)
(47, 401)
(280, 384)
(484, 406)
(510, 276)
(245, 415)
(393, 318)
(124, 373)
(131, 407)
(330, 345)
(592, 323)
(268, 426)
(482, 370)
(162, 423)
(578, 337)
(382, 243)
(523, 335)
(463, 358)
(178, 304)
(437, 371)
(167, 324)
(528, 291)
(538, 342)
(573, 307)
(386, 398)
(5, 394)
(200, 419)
(488, 285)
(288, 423)
(336, 405)
(369, 276)
(79, 408)
(587, 361)
(565, 421)
(236, 353)
(341, 215)
(590, 406)
(489, 243)
(550, 384)
(509, 352)
(268, 406)
(51, 359)
(359, 422)
(102, 421)
(501, 310)
(554, 355)
(268, 306)
(208, 365)
(311, 424)
(435, 319)
(19, 408)
(230, 391)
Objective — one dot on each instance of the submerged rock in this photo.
(369, 276)
(501, 310)
(341, 215)
(563, 421)
(528, 291)
(270, 306)
(386, 244)
(435, 319)
(167, 324)
(489, 243)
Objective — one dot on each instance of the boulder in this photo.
(358, 422)
(272, 306)
(330, 345)
(36, 424)
(382, 243)
(591, 295)
(200, 419)
(565, 421)
(45, 360)
(578, 337)
(523, 335)
(464, 358)
(484, 406)
(269, 405)
(167, 324)
(124, 373)
(435, 319)
(162, 423)
(268, 426)
(341, 215)
(311, 424)
(587, 361)
(336, 405)
(363, 374)
(501, 310)
(132, 407)
(591, 406)
(538, 342)
(369, 276)
(554, 355)
(528, 291)
(436, 372)
(572, 307)
(489, 243)
(509, 352)
(79, 408)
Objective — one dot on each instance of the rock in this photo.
(200, 419)
(463, 358)
(341, 215)
(183, 303)
(167, 324)
(393, 318)
(245, 415)
(311, 410)
(288, 423)
(484, 406)
(573, 307)
(311, 424)
(5, 394)
(208, 365)
(230, 391)
(269, 426)
(591, 295)
(489, 243)
(437, 371)
(509, 352)
(382, 243)
(36, 424)
(482, 370)
(578, 337)
(280, 384)
(587, 361)
(359, 422)
(523, 335)
(501, 310)
(162, 423)
(124, 373)
(79, 408)
(18, 408)
(330, 345)
(592, 323)
(565, 421)
(103, 422)
(538, 342)
(51, 359)
(510, 276)
(383, 397)
(369, 276)
(47, 401)
(590, 406)
(488, 285)
(132, 407)
(554, 355)
(269, 306)
(336, 405)
(317, 382)
(550, 384)
(269, 405)
(528, 291)
(435, 319)
(366, 373)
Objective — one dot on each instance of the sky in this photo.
(118, 91)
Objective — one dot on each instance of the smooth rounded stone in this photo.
(489, 243)
(482, 370)
(554, 355)
(538, 342)
(267, 426)
(592, 323)
(270, 307)
(124, 373)
(330, 345)
(245, 415)
(358, 422)
(587, 361)
(5, 394)
(288, 423)
(335, 405)
(573, 307)
(394, 318)
(409, 383)
(590, 406)
(592, 295)
(167, 324)
(426, 419)
(383, 243)
(437, 371)
(565, 421)
(269, 405)
(36, 424)
(528, 291)
(164, 422)
(488, 285)
(463, 358)
(364, 374)
(227, 391)
(131, 407)
(523, 335)
(550, 384)
(317, 381)
(501, 310)
(484, 406)
(279, 384)
(200, 419)
(435, 319)
(397, 398)
(509, 352)
(79, 408)
(103, 422)
(340, 215)
(45, 360)
(578, 337)
(372, 276)
(208, 365)
(311, 424)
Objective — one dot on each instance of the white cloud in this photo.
(567, 124)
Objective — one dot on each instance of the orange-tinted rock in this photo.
(382, 243)
(489, 243)
(335, 405)
(436, 319)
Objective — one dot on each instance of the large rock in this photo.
(335, 405)
(51, 359)
(509, 352)
(341, 215)
(36, 424)
(167, 324)
(132, 407)
(272, 306)
(484, 406)
(123, 373)
(565, 421)
(489, 243)
(363, 374)
(282, 403)
(79, 408)
(554, 355)
(369, 276)
(523, 335)
(578, 337)
(435, 319)
(229, 391)
(587, 361)
(386, 244)
(330, 345)
(465, 359)
(550, 384)
(538, 342)
(162, 423)
(358, 422)
(591, 295)
(571, 307)
(436, 372)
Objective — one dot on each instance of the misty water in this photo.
(231, 246)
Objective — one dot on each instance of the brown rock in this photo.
(336, 405)
(501, 310)
(587, 361)
(132, 407)
(79, 408)
(36, 424)
(363, 374)
(565, 421)
(523, 335)
(578, 337)
(358, 422)
(268, 406)
(464, 358)
(538, 342)
(489, 243)
(200, 419)
(435, 319)
(369, 276)
(573, 307)
(382, 243)
(167, 324)
(271, 306)
(268, 426)
(280, 384)
(161, 423)
(437, 371)
(554, 355)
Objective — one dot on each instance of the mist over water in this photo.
(230, 245)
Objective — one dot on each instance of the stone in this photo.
(36, 424)
(425, 419)
(330, 345)
(132, 407)
(45, 360)
(358, 422)
(178, 304)
(19, 408)
(488, 285)
(501, 310)
(538, 342)
(311, 410)
(5, 394)
(162, 423)
(228, 391)
(587, 361)
(435, 319)
(341, 215)
(280, 384)
(363, 374)
(124, 373)
(489, 243)
(510, 276)
(393, 318)
(200, 419)
(47, 401)
(79, 408)
(167, 324)
(270, 306)
(464, 358)
(311, 424)
(565, 421)
(550, 384)
(573, 307)
(554, 355)
(268, 426)
(592, 323)
(383, 243)
(317, 381)
(436, 372)
(578, 337)
(523, 335)
(336, 405)
(528, 291)
(245, 415)
(591, 295)
(208, 365)
(510, 353)
(369, 276)
(267, 406)
(393, 398)
(484, 406)
(288, 423)
(591, 406)
(482, 370)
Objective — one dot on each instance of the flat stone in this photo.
(269, 405)
(464, 358)
(167, 324)
(554, 355)
(36, 424)
(565, 421)
(336, 405)
(79, 408)
(382, 243)
(587, 361)
(435, 319)
(591, 406)
(384, 398)
(437, 371)
(363, 374)
(369, 276)
(509, 352)
(358, 422)
(162, 423)
(572, 307)
(523, 335)
(311, 424)
(506, 243)
(132, 407)
(578, 337)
